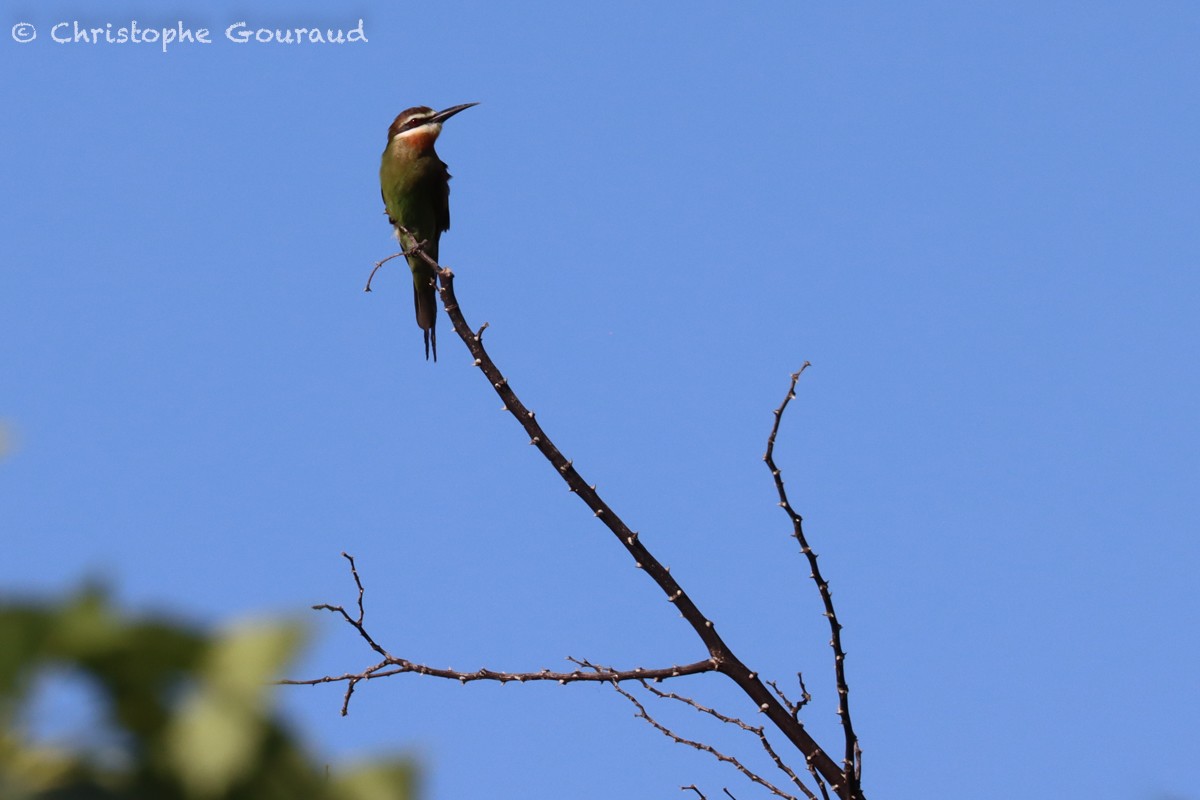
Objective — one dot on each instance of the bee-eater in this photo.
(416, 196)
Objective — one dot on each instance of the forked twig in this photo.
(395, 665)
(356, 623)
(757, 730)
(707, 748)
(794, 708)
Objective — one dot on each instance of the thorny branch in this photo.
(398, 666)
(394, 665)
(845, 782)
(717, 754)
(852, 761)
(757, 730)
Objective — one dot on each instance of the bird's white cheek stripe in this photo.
(430, 129)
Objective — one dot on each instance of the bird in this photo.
(415, 185)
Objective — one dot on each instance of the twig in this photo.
(394, 665)
(794, 708)
(356, 623)
(718, 650)
(717, 754)
(757, 730)
(820, 783)
(850, 764)
(416, 248)
(399, 666)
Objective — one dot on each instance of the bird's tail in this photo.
(425, 301)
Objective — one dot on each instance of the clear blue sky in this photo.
(978, 221)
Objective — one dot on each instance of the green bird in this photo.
(416, 196)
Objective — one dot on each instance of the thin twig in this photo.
(356, 623)
(399, 666)
(757, 730)
(794, 708)
(820, 783)
(394, 665)
(850, 762)
(416, 248)
(717, 754)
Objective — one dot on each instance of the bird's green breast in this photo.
(416, 192)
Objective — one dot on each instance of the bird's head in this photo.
(418, 127)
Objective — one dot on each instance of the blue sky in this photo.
(977, 221)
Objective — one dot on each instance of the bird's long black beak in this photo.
(442, 116)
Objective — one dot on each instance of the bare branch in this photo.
(394, 665)
(670, 734)
(851, 762)
(783, 713)
(757, 730)
(399, 666)
(718, 650)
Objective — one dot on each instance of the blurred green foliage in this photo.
(188, 713)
